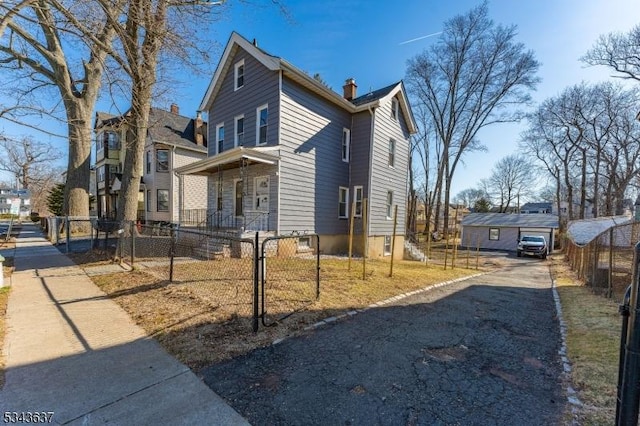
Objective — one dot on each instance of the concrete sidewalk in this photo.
(72, 351)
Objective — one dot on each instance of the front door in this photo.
(239, 198)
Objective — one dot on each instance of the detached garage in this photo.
(501, 231)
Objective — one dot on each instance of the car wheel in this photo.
(519, 254)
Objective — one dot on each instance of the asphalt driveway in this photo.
(482, 351)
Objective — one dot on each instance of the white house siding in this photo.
(312, 169)
(260, 87)
(385, 178)
(194, 188)
(158, 180)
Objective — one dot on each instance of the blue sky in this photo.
(362, 39)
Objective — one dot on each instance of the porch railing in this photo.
(193, 216)
(252, 220)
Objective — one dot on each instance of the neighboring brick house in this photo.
(172, 141)
(289, 155)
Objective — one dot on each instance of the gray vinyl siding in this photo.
(228, 180)
(260, 87)
(474, 235)
(385, 178)
(360, 157)
(312, 169)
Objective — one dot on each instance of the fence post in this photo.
(172, 253)
(364, 238)
(67, 223)
(393, 238)
(610, 272)
(256, 265)
(317, 267)
(133, 242)
(352, 215)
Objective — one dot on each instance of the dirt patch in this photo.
(4, 299)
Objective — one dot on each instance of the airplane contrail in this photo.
(420, 38)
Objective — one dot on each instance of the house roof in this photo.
(502, 220)
(584, 230)
(173, 129)
(537, 206)
(275, 63)
(164, 127)
(230, 159)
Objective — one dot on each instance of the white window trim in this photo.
(236, 67)
(389, 206)
(218, 127)
(258, 110)
(395, 109)
(355, 198)
(346, 210)
(346, 132)
(235, 129)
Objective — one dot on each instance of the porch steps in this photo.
(212, 250)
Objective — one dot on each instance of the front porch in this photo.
(242, 192)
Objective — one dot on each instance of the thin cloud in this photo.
(420, 38)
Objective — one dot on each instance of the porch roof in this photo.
(230, 160)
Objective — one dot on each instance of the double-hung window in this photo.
(239, 135)
(148, 154)
(148, 200)
(392, 153)
(220, 138)
(389, 204)
(238, 75)
(394, 108)
(163, 200)
(346, 144)
(162, 160)
(357, 198)
(262, 116)
(343, 202)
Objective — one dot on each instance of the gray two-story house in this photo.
(287, 154)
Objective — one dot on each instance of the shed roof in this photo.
(584, 230)
(501, 220)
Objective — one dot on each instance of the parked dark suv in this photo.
(533, 245)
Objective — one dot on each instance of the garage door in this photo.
(545, 232)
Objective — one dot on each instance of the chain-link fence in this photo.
(82, 234)
(290, 275)
(216, 269)
(606, 262)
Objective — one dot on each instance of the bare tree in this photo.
(475, 75)
(31, 163)
(46, 53)
(513, 177)
(470, 196)
(617, 51)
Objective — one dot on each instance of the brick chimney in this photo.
(350, 89)
(198, 129)
(174, 109)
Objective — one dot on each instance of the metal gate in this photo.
(289, 273)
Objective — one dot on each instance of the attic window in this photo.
(394, 108)
(239, 75)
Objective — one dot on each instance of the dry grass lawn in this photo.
(7, 267)
(199, 328)
(593, 338)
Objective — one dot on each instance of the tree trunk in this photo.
(76, 191)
